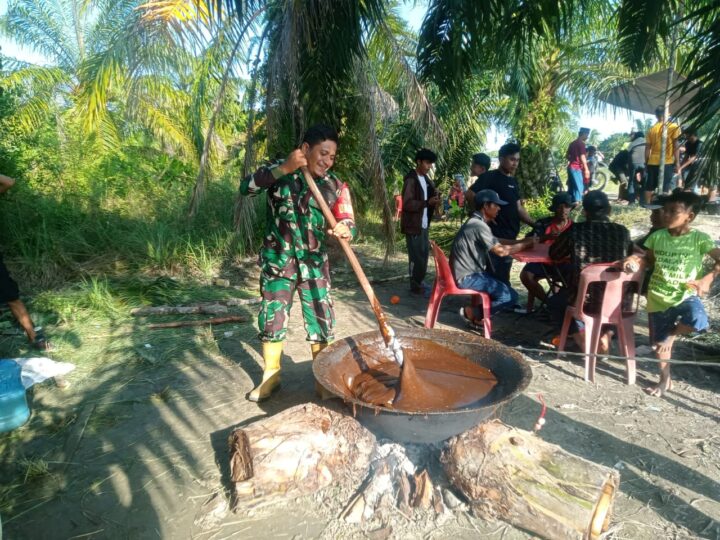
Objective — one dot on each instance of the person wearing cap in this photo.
(595, 240)
(652, 155)
(506, 224)
(470, 259)
(578, 170)
(547, 229)
(480, 165)
(419, 199)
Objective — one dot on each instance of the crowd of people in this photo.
(481, 255)
(638, 165)
(293, 256)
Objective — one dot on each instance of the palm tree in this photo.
(167, 68)
(646, 32)
(349, 64)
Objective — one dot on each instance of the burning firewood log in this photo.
(515, 476)
(392, 483)
(299, 451)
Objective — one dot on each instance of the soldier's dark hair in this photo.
(509, 149)
(688, 199)
(320, 133)
(425, 154)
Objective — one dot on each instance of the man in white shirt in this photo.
(419, 199)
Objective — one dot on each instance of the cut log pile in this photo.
(299, 451)
(513, 475)
(503, 472)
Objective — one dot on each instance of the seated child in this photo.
(676, 255)
(547, 229)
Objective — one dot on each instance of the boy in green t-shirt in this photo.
(676, 255)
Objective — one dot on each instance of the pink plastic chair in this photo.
(612, 312)
(445, 286)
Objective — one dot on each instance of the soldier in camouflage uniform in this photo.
(293, 255)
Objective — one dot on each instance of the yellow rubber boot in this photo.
(320, 390)
(315, 348)
(272, 351)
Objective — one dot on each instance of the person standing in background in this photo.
(506, 225)
(479, 166)
(637, 160)
(419, 199)
(652, 156)
(577, 168)
(689, 167)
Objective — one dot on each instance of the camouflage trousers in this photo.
(315, 301)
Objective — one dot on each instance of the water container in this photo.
(14, 410)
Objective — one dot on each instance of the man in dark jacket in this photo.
(595, 240)
(419, 199)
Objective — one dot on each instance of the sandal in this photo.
(473, 324)
(41, 343)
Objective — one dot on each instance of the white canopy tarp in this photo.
(646, 93)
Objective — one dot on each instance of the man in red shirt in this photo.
(577, 168)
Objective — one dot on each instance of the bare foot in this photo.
(664, 348)
(660, 389)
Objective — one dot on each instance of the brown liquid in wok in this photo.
(433, 378)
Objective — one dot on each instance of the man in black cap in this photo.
(506, 224)
(480, 165)
(595, 240)
(470, 256)
(547, 229)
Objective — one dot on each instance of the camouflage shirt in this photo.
(295, 231)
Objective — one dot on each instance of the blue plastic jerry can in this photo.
(14, 410)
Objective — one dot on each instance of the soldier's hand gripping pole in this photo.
(385, 329)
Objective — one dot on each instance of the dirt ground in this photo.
(137, 449)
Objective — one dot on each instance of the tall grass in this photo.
(49, 238)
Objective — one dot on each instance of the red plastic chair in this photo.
(445, 286)
(612, 311)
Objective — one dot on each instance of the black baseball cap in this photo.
(481, 159)
(595, 200)
(488, 195)
(562, 197)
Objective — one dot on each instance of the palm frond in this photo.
(643, 28)
(35, 24)
(389, 46)
(703, 78)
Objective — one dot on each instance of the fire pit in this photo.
(343, 358)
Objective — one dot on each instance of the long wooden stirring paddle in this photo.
(386, 330)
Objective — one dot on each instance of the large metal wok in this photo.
(343, 358)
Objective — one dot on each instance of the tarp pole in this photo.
(666, 116)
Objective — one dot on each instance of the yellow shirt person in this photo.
(654, 139)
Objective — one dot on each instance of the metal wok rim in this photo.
(424, 333)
